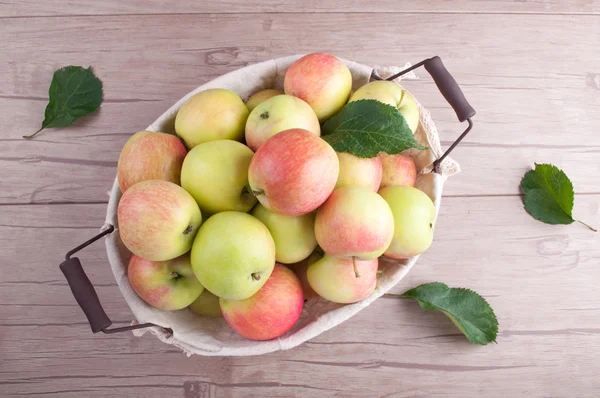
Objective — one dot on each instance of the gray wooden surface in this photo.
(530, 68)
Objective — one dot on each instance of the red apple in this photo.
(150, 156)
(359, 172)
(398, 170)
(269, 313)
(299, 269)
(166, 285)
(293, 172)
(354, 222)
(322, 80)
(158, 220)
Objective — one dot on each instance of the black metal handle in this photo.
(86, 295)
(451, 92)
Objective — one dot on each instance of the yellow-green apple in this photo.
(294, 236)
(343, 280)
(150, 156)
(359, 172)
(166, 285)
(207, 305)
(214, 114)
(233, 255)
(392, 94)
(216, 175)
(293, 172)
(322, 80)
(299, 269)
(414, 220)
(271, 312)
(282, 112)
(398, 170)
(260, 97)
(158, 220)
(354, 222)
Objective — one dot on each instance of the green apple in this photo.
(260, 97)
(215, 114)
(167, 285)
(343, 280)
(279, 113)
(294, 236)
(233, 255)
(207, 305)
(216, 175)
(414, 221)
(359, 172)
(392, 94)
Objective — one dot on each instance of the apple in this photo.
(233, 255)
(322, 80)
(398, 170)
(214, 114)
(414, 220)
(359, 172)
(294, 236)
(354, 222)
(293, 172)
(158, 220)
(271, 312)
(279, 113)
(166, 285)
(260, 97)
(343, 280)
(392, 94)
(216, 175)
(150, 156)
(299, 269)
(207, 305)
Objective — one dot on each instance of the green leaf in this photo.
(74, 92)
(468, 310)
(549, 195)
(366, 127)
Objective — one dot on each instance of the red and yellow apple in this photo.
(343, 280)
(299, 269)
(279, 113)
(322, 80)
(359, 172)
(414, 221)
(215, 173)
(293, 172)
(392, 94)
(271, 312)
(260, 97)
(233, 255)
(166, 285)
(354, 222)
(158, 220)
(207, 304)
(150, 156)
(398, 170)
(214, 114)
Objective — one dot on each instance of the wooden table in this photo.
(530, 68)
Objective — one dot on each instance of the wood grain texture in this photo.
(14, 8)
(528, 96)
(536, 277)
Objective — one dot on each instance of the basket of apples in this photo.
(246, 227)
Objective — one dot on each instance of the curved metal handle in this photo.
(86, 295)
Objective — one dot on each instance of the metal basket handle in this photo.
(451, 92)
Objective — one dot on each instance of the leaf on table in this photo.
(549, 195)
(367, 127)
(74, 92)
(470, 312)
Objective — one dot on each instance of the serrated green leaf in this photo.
(367, 127)
(74, 92)
(470, 312)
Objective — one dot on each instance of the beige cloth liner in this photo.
(210, 336)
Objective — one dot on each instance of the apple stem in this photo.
(256, 276)
(356, 273)
(174, 275)
(258, 192)
(589, 226)
(379, 272)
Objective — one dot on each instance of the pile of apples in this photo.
(285, 216)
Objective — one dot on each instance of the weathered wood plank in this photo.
(526, 104)
(14, 8)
